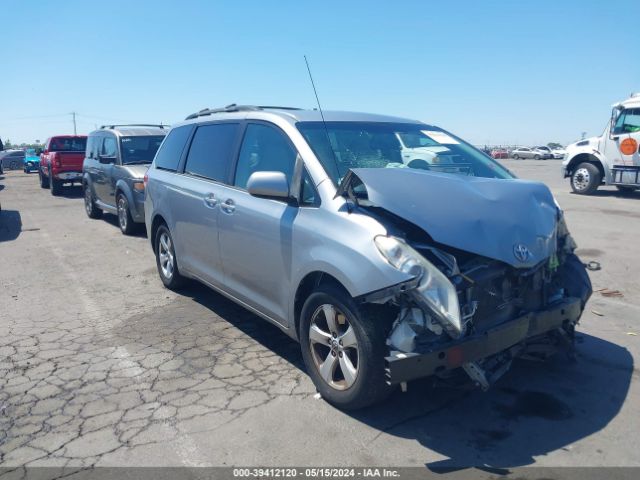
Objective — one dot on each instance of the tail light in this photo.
(57, 160)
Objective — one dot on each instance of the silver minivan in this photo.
(384, 271)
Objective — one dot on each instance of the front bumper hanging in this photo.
(403, 367)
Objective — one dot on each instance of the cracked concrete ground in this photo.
(100, 365)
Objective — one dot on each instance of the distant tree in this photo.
(553, 145)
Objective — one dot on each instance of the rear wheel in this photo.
(585, 179)
(89, 204)
(125, 221)
(54, 185)
(44, 181)
(166, 259)
(626, 189)
(343, 349)
(516, 156)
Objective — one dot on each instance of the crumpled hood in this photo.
(494, 218)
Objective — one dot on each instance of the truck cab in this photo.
(610, 159)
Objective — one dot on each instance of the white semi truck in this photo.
(612, 158)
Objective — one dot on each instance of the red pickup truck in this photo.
(61, 161)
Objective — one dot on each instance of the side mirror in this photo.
(268, 185)
(105, 159)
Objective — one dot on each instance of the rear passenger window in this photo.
(168, 157)
(210, 151)
(264, 149)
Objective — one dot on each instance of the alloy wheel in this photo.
(334, 347)
(88, 200)
(165, 254)
(122, 212)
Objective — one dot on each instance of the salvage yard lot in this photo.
(100, 365)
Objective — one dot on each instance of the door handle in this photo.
(210, 200)
(229, 206)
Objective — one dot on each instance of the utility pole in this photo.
(74, 123)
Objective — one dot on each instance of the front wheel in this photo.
(343, 349)
(125, 221)
(585, 179)
(166, 259)
(516, 156)
(536, 157)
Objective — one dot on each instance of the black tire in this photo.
(14, 165)
(174, 281)
(585, 179)
(54, 185)
(516, 156)
(44, 181)
(90, 207)
(627, 190)
(369, 386)
(125, 221)
(536, 157)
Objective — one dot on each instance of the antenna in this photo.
(324, 123)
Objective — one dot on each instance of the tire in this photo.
(89, 204)
(125, 221)
(54, 185)
(44, 181)
(347, 391)
(163, 244)
(536, 157)
(14, 165)
(516, 156)
(585, 179)
(626, 190)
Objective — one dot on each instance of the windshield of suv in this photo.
(345, 145)
(68, 144)
(139, 149)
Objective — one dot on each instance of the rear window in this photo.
(210, 151)
(139, 149)
(68, 145)
(168, 157)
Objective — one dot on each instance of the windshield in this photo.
(140, 149)
(68, 144)
(395, 145)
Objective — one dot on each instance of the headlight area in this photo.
(436, 300)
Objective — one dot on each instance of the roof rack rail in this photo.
(112, 126)
(236, 108)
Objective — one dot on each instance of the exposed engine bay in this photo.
(542, 301)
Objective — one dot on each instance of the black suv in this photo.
(116, 160)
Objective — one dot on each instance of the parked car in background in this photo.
(499, 153)
(12, 159)
(61, 161)
(31, 160)
(613, 158)
(526, 152)
(114, 167)
(382, 271)
(545, 149)
(558, 153)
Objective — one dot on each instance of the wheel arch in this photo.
(585, 157)
(158, 220)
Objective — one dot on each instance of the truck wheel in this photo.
(166, 259)
(44, 181)
(343, 349)
(89, 204)
(585, 179)
(125, 221)
(54, 185)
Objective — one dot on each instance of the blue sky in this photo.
(491, 72)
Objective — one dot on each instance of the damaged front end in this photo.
(466, 310)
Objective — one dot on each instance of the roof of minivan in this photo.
(128, 131)
(294, 116)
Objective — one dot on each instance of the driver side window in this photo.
(628, 121)
(264, 149)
